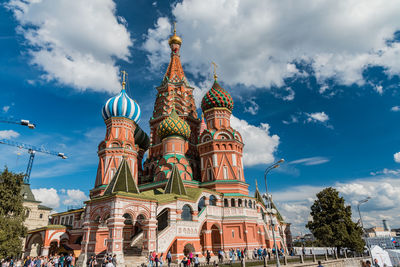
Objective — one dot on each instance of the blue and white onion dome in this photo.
(121, 106)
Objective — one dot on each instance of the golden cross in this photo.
(123, 79)
(174, 27)
(215, 70)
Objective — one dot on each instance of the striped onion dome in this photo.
(173, 125)
(217, 97)
(121, 105)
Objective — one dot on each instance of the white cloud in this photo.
(253, 107)
(75, 197)
(260, 146)
(8, 134)
(310, 161)
(396, 157)
(255, 47)
(293, 119)
(294, 203)
(395, 108)
(388, 172)
(6, 109)
(378, 89)
(52, 198)
(48, 196)
(75, 43)
(317, 117)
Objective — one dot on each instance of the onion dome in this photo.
(175, 39)
(217, 97)
(173, 125)
(141, 138)
(121, 105)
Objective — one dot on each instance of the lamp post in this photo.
(362, 224)
(270, 209)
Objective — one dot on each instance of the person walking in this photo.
(169, 258)
(196, 261)
(184, 262)
(319, 264)
(208, 257)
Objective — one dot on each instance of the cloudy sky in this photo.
(314, 82)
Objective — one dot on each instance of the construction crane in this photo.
(32, 151)
(17, 121)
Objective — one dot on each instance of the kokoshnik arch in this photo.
(189, 195)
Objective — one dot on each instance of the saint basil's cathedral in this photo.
(189, 195)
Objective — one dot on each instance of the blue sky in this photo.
(316, 84)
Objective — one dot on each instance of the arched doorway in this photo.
(163, 219)
(53, 248)
(215, 239)
(127, 231)
(35, 246)
(188, 248)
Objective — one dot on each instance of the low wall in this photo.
(349, 262)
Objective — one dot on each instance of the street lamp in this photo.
(270, 210)
(362, 224)
(358, 208)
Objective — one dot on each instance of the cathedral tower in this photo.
(221, 146)
(176, 92)
(121, 115)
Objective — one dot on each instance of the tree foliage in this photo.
(12, 214)
(331, 222)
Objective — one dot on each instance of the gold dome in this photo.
(175, 39)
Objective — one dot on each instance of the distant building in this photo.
(37, 214)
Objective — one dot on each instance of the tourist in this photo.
(91, 262)
(368, 263)
(208, 257)
(109, 264)
(376, 264)
(231, 256)
(156, 259)
(196, 261)
(184, 262)
(264, 253)
(150, 259)
(319, 264)
(114, 260)
(61, 260)
(190, 257)
(169, 258)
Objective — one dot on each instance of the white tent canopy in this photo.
(381, 255)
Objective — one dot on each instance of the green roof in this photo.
(27, 194)
(122, 181)
(175, 184)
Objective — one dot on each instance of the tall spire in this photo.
(203, 125)
(123, 79)
(175, 184)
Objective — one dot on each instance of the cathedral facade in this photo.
(188, 195)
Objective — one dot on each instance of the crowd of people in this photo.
(63, 260)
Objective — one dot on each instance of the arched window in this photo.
(245, 203)
(202, 203)
(213, 200)
(233, 204)
(186, 213)
(226, 203)
(250, 204)
(239, 203)
(128, 218)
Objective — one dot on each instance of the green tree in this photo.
(331, 222)
(12, 214)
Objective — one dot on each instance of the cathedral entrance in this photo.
(215, 239)
(127, 231)
(187, 249)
